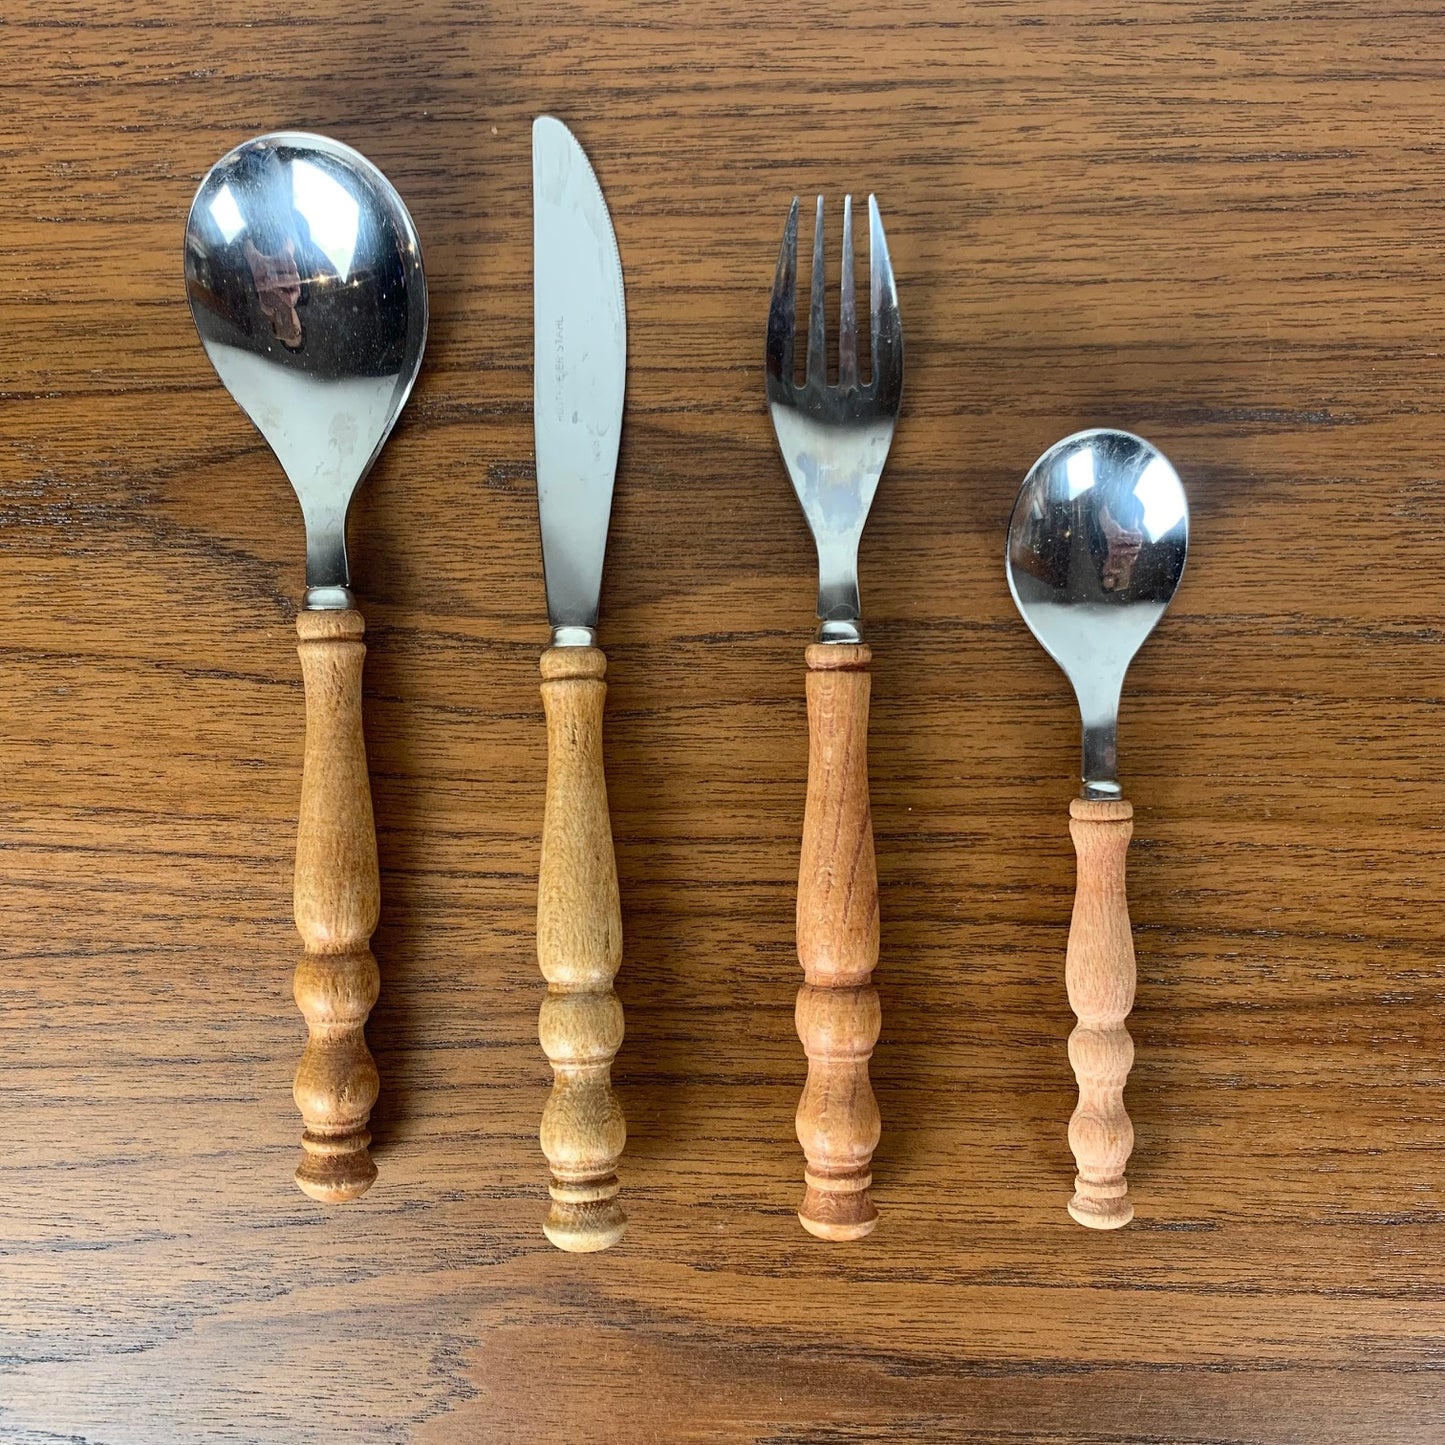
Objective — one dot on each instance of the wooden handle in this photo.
(1100, 976)
(838, 1014)
(579, 948)
(338, 900)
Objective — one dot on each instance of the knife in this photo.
(579, 374)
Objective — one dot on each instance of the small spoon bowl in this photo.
(1096, 548)
(305, 280)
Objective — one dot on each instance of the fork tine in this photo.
(887, 382)
(785, 300)
(817, 333)
(848, 308)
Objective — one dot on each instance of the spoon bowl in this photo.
(1096, 548)
(305, 280)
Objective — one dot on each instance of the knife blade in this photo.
(580, 332)
(579, 377)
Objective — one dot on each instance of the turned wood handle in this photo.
(838, 1014)
(1100, 976)
(579, 949)
(338, 900)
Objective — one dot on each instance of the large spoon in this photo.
(1096, 547)
(305, 281)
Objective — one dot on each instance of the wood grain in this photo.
(336, 901)
(579, 949)
(1100, 975)
(1216, 225)
(837, 1012)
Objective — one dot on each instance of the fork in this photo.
(834, 440)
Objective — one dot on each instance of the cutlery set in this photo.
(305, 281)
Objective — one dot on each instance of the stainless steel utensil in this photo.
(1096, 548)
(305, 282)
(835, 440)
(580, 369)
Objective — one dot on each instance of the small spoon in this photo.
(1096, 548)
(305, 280)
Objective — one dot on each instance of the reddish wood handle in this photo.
(838, 1014)
(1100, 976)
(338, 901)
(579, 949)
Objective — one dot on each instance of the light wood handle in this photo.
(1099, 972)
(338, 901)
(579, 948)
(838, 1013)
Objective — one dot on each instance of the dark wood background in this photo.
(1219, 225)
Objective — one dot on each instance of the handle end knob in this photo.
(1101, 1203)
(335, 1168)
(585, 1219)
(336, 1081)
(838, 1207)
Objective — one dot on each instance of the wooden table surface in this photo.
(1217, 225)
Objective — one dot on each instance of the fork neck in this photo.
(839, 606)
